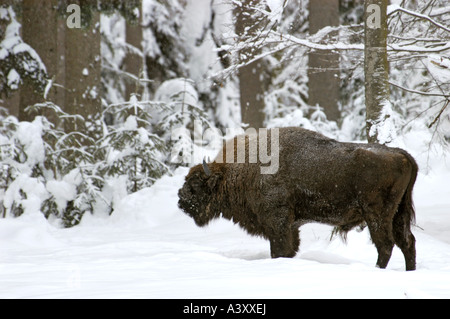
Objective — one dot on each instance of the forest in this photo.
(100, 98)
(106, 105)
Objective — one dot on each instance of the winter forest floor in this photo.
(149, 249)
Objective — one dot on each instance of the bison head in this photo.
(199, 193)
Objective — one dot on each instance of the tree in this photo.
(40, 31)
(418, 39)
(19, 62)
(134, 60)
(83, 71)
(9, 98)
(323, 65)
(165, 56)
(247, 23)
(376, 68)
(418, 46)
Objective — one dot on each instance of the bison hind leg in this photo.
(379, 221)
(405, 240)
(384, 242)
(382, 237)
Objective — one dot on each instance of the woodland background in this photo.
(88, 114)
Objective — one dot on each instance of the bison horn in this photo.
(206, 168)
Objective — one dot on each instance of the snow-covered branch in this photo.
(18, 60)
(417, 48)
(396, 8)
(319, 46)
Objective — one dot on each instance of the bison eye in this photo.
(196, 184)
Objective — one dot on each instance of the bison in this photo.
(318, 180)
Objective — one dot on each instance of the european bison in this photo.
(318, 180)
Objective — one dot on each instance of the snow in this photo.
(393, 8)
(178, 89)
(385, 127)
(63, 191)
(34, 189)
(148, 248)
(276, 9)
(30, 136)
(199, 42)
(439, 66)
(12, 41)
(13, 79)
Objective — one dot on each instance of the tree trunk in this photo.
(39, 30)
(250, 83)
(134, 62)
(376, 68)
(59, 90)
(323, 66)
(10, 102)
(83, 75)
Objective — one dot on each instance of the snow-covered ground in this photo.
(149, 249)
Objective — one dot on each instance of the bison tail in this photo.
(406, 207)
(403, 219)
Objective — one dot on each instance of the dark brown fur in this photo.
(319, 180)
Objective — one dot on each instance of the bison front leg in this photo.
(285, 244)
(280, 247)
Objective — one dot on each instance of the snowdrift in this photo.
(149, 249)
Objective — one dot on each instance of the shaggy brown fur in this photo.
(319, 180)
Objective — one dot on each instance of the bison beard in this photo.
(318, 180)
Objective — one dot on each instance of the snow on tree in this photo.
(18, 61)
(164, 49)
(130, 149)
(416, 30)
(418, 35)
(190, 54)
(376, 70)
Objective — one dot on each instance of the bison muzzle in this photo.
(318, 180)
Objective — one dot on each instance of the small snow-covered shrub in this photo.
(22, 153)
(129, 148)
(286, 107)
(182, 122)
(65, 175)
(45, 169)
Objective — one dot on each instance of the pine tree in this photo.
(19, 62)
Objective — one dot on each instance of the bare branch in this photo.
(439, 12)
(419, 92)
(439, 114)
